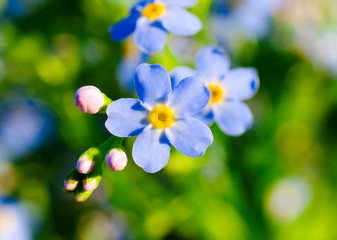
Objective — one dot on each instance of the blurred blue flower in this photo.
(228, 89)
(14, 221)
(21, 8)
(312, 27)
(247, 19)
(24, 126)
(151, 20)
(126, 68)
(161, 117)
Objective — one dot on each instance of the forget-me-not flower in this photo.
(161, 117)
(228, 87)
(152, 19)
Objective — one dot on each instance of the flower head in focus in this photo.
(152, 19)
(228, 89)
(161, 117)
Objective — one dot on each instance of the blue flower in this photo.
(228, 89)
(161, 117)
(152, 19)
(25, 124)
(14, 221)
(245, 20)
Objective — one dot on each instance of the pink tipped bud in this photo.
(91, 183)
(70, 184)
(82, 196)
(116, 159)
(87, 160)
(89, 99)
(85, 165)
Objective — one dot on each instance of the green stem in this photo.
(107, 102)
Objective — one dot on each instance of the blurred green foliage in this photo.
(63, 45)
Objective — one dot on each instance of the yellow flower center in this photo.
(218, 93)
(161, 117)
(153, 10)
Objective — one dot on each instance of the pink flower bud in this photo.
(116, 159)
(85, 165)
(89, 99)
(70, 184)
(90, 184)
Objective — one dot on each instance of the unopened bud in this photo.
(70, 184)
(116, 159)
(72, 180)
(84, 165)
(91, 182)
(87, 160)
(82, 195)
(89, 99)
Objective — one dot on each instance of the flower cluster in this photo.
(151, 20)
(174, 109)
(85, 178)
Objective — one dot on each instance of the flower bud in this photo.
(89, 99)
(82, 195)
(84, 165)
(91, 182)
(87, 160)
(116, 159)
(70, 184)
(72, 180)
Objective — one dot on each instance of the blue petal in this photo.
(241, 83)
(181, 3)
(152, 83)
(190, 136)
(234, 118)
(150, 36)
(205, 115)
(124, 28)
(181, 22)
(126, 117)
(212, 62)
(151, 150)
(179, 73)
(189, 97)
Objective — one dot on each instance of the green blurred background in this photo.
(277, 181)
